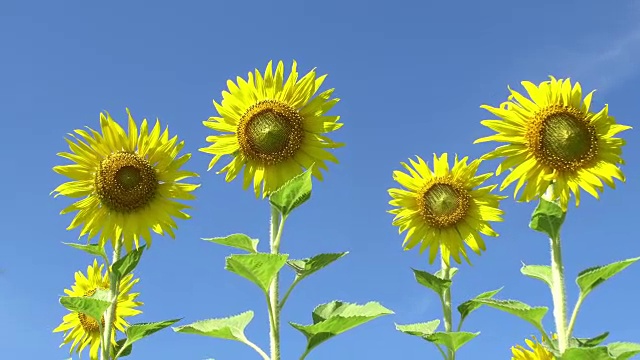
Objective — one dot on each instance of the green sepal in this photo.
(93, 249)
(228, 328)
(306, 267)
(126, 264)
(532, 315)
(336, 317)
(539, 272)
(431, 281)
(548, 218)
(590, 278)
(293, 193)
(93, 306)
(140, 331)
(237, 241)
(259, 268)
(469, 306)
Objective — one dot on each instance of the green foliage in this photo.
(93, 306)
(237, 241)
(452, 340)
(548, 218)
(419, 329)
(93, 249)
(293, 193)
(306, 267)
(140, 331)
(533, 315)
(539, 272)
(432, 282)
(126, 264)
(452, 272)
(470, 305)
(229, 328)
(259, 268)
(590, 278)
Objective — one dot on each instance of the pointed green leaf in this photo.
(419, 329)
(590, 278)
(93, 249)
(293, 193)
(452, 271)
(590, 342)
(533, 315)
(238, 241)
(592, 353)
(452, 340)
(136, 332)
(120, 350)
(539, 272)
(126, 264)
(306, 267)
(259, 268)
(431, 281)
(547, 218)
(623, 350)
(470, 305)
(337, 317)
(229, 328)
(94, 305)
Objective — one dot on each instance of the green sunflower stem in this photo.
(277, 224)
(446, 304)
(110, 313)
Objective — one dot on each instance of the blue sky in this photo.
(411, 76)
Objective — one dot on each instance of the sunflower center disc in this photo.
(444, 205)
(270, 132)
(125, 182)
(563, 139)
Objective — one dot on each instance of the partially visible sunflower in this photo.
(272, 128)
(555, 138)
(537, 352)
(128, 182)
(443, 209)
(84, 330)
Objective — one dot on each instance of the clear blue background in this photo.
(411, 76)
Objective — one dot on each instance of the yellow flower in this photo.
(128, 183)
(272, 128)
(442, 209)
(537, 352)
(84, 330)
(555, 138)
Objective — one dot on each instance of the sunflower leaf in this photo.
(125, 265)
(452, 340)
(139, 331)
(119, 350)
(548, 218)
(336, 317)
(229, 328)
(431, 281)
(419, 329)
(469, 306)
(93, 249)
(452, 271)
(590, 342)
(530, 314)
(590, 278)
(539, 272)
(592, 353)
(94, 305)
(238, 241)
(623, 350)
(306, 267)
(293, 193)
(260, 268)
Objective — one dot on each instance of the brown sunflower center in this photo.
(270, 132)
(562, 138)
(89, 324)
(443, 204)
(125, 182)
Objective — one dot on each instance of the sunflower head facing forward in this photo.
(127, 182)
(82, 330)
(555, 138)
(443, 209)
(273, 128)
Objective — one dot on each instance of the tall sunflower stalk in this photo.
(274, 131)
(556, 147)
(128, 183)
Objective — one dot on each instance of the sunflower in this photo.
(537, 352)
(84, 330)
(128, 182)
(442, 209)
(272, 128)
(554, 138)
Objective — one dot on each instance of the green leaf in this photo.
(590, 278)
(93, 249)
(539, 272)
(470, 305)
(592, 353)
(337, 317)
(419, 329)
(306, 267)
(125, 265)
(452, 340)
(94, 305)
(547, 218)
(229, 328)
(590, 342)
(259, 268)
(533, 315)
(623, 350)
(120, 350)
(452, 271)
(431, 281)
(293, 193)
(238, 241)
(136, 332)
